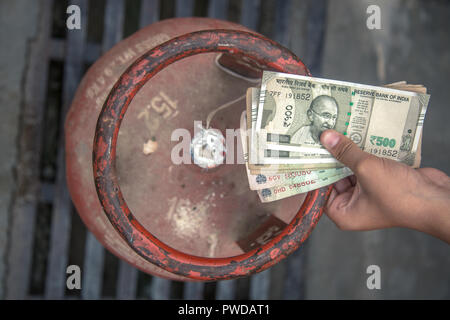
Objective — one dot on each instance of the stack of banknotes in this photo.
(281, 127)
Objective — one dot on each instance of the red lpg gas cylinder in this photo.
(178, 221)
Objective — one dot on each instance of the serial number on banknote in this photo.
(297, 173)
(290, 95)
(383, 152)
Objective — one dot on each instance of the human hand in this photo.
(384, 193)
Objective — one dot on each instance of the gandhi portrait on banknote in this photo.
(322, 114)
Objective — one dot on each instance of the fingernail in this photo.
(330, 139)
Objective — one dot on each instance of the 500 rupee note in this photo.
(293, 110)
(256, 148)
(267, 180)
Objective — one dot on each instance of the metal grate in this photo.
(46, 234)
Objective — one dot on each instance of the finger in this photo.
(333, 195)
(352, 179)
(347, 213)
(342, 185)
(343, 149)
(335, 208)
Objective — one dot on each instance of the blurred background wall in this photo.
(331, 37)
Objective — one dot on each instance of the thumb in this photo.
(343, 149)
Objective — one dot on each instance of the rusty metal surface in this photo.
(266, 54)
(80, 147)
